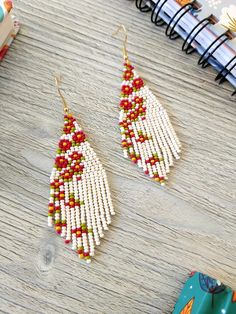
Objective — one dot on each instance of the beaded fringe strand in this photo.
(148, 137)
(80, 204)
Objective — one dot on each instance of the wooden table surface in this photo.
(159, 234)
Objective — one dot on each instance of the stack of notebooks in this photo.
(206, 26)
(8, 26)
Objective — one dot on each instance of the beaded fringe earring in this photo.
(80, 205)
(148, 137)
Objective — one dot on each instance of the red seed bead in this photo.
(80, 251)
(58, 229)
(67, 241)
(192, 273)
(86, 254)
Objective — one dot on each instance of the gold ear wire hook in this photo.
(122, 28)
(58, 82)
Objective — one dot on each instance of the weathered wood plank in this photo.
(158, 234)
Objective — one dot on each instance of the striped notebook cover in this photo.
(206, 26)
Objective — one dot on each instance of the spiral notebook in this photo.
(206, 26)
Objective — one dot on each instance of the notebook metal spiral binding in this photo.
(170, 30)
(224, 72)
(221, 76)
(142, 7)
(155, 13)
(188, 44)
(203, 61)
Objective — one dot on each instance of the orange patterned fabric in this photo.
(8, 5)
(188, 307)
(183, 2)
(234, 296)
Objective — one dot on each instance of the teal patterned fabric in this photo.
(205, 295)
(1, 14)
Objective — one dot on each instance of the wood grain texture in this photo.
(159, 234)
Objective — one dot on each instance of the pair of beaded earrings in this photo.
(80, 205)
